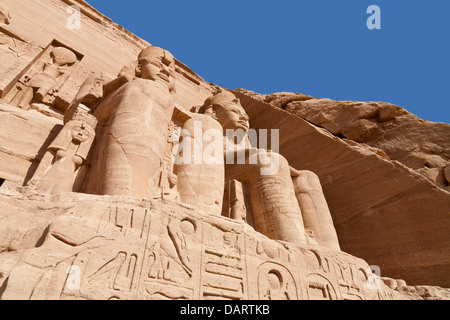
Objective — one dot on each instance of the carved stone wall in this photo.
(403, 218)
(67, 245)
(123, 248)
(104, 47)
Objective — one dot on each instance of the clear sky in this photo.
(321, 48)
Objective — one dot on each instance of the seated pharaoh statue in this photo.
(280, 202)
(133, 119)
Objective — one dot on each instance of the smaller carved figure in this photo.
(47, 77)
(58, 169)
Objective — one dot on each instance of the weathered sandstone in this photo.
(125, 175)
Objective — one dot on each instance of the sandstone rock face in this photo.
(419, 144)
(388, 203)
(124, 175)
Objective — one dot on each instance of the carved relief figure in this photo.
(88, 96)
(168, 180)
(8, 46)
(47, 77)
(58, 169)
(135, 118)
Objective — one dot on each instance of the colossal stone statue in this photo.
(60, 166)
(135, 118)
(201, 174)
(276, 212)
(281, 200)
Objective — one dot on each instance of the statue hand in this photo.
(54, 92)
(25, 79)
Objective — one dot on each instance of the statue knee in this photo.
(267, 163)
(306, 181)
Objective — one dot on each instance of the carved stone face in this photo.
(80, 133)
(231, 115)
(227, 109)
(158, 65)
(62, 56)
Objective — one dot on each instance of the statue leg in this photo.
(276, 212)
(26, 98)
(201, 184)
(115, 176)
(145, 174)
(316, 214)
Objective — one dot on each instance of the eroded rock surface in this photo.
(419, 144)
(125, 175)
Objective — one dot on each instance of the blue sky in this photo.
(321, 48)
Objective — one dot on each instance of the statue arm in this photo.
(37, 68)
(44, 164)
(63, 78)
(128, 71)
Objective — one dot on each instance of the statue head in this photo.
(62, 56)
(79, 130)
(227, 109)
(157, 64)
(80, 133)
(82, 126)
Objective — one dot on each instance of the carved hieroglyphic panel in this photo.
(124, 251)
(275, 275)
(320, 288)
(15, 55)
(348, 280)
(115, 251)
(275, 282)
(332, 276)
(115, 266)
(223, 264)
(171, 262)
(322, 281)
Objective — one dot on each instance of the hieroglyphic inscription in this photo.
(115, 267)
(275, 282)
(332, 276)
(274, 270)
(171, 262)
(320, 288)
(348, 281)
(223, 266)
